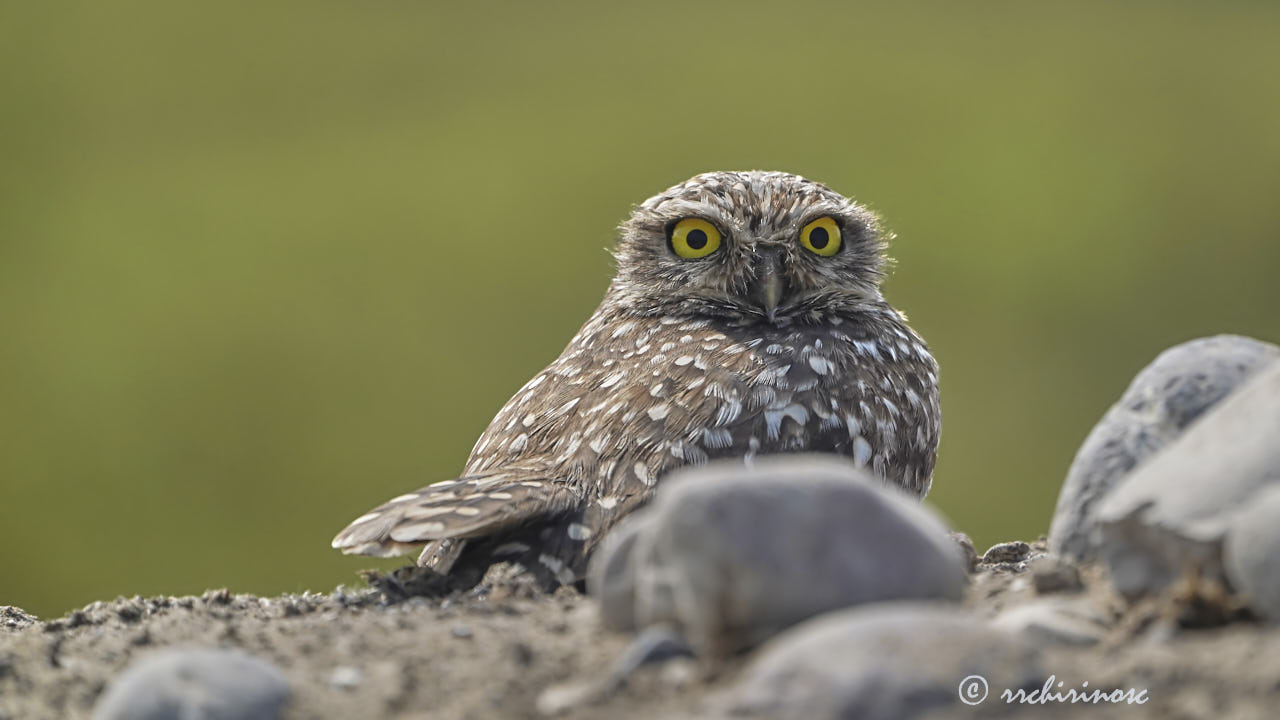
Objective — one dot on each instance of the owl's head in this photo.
(749, 246)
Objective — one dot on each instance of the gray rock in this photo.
(195, 684)
(1055, 621)
(729, 555)
(1169, 519)
(1165, 397)
(883, 662)
(1252, 554)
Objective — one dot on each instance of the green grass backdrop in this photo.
(265, 265)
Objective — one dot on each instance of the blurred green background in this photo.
(265, 265)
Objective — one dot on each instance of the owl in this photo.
(745, 318)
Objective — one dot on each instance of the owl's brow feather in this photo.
(782, 221)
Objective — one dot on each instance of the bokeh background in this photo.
(265, 265)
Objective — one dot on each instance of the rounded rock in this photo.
(1178, 387)
(729, 555)
(195, 684)
(1171, 517)
(885, 662)
(1015, 551)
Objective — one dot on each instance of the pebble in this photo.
(967, 550)
(1163, 400)
(653, 645)
(884, 662)
(729, 555)
(522, 654)
(14, 618)
(346, 677)
(195, 684)
(1051, 574)
(1169, 519)
(1006, 552)
(129, 611)
(561, 698)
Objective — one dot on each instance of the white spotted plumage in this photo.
(684, 362)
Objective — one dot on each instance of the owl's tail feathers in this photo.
(469, 507)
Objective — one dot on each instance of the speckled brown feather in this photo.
(471, 506)
(678, 366)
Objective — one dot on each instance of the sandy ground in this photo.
(491, 652)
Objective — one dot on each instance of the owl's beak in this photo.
(770, 284)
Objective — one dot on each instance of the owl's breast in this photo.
(629, 401)
(864, 390)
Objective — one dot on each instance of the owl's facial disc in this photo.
(748, 247)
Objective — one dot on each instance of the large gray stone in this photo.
(883, 662)
(1167, 396)
(1169, 518)
(730, 555)
(195, 684)
(1252, 554)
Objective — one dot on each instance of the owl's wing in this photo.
(469, 507)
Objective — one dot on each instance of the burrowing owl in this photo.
(745, 318)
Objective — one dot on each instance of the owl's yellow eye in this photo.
(821, 236)
(692, 238)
